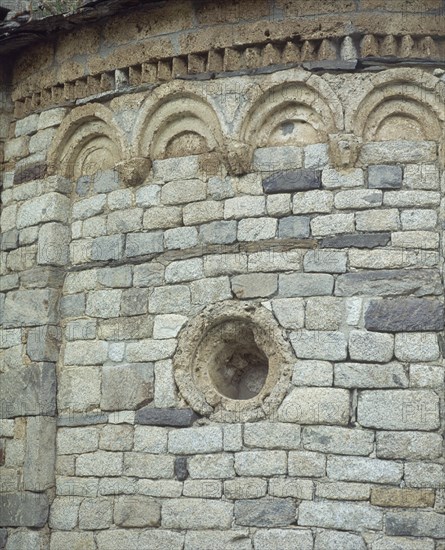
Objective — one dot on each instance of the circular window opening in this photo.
(237, 367)
(233, 357)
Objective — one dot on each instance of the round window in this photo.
(233, 362)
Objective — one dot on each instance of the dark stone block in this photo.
(23, 509)
(382, 176)
(356, 240)
(3, 538)
(181, 471)
(393, 282)
(28, 391)
(291, 181)
(176, 418)
(31, 172)
(331, 65)
(405, 315)
(415, 524)
(265, 512)
(82, 419)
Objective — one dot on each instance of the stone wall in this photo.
(223, 312)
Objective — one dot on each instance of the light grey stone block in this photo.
(340, 515)
(336, 440)
(265, 512)
(325, 261)
(315, 406)
(96, 514)
(284, 539)
(150, 466)
(137, 511)
(260, 463)
(361, 469)
(399, 409)
(215, 466)
(408, 445)
(306, 464)
(235, 539)
(40, 453)
(126, 387)
(207, 439)
(416, 346)
(197, 514)
(332, 540)
(313, 344)
(306, 284)
(415, 524)
(368, 375)
(245, 487)
(139, 244)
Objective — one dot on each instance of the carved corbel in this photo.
(344, 149)
(134, 171)
(238, 157)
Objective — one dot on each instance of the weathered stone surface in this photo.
(139, 244)
(399, 543)
(324, 313)
(402, 498)
(325, 261)
(317, 344)
(307, 464)
(371, 346)
(235, 539)
(421, 474)
(394, 282)
(398, 151)
(243, 488)
(181, 468)
(207, 439)
(261, 463)
(152, 466)
(347, 468)
(30, 307)
(409, 445)
(339, 515)
(399, 409)
(338, 440)
(43, 343)
(415, 524)
(270, 159)
(99, 464)
(332, 540)
(416, 346)
(265, 512)
(23, 509)
(176, 418)
(272, 435)
(342, 490)
(368, 375)
(40, 453)
(95, 513)
(315, 406)
(126, 387)
(60, 540)
(216, 466)
(312, 373)
(196, 514)
(302, 489)
(334, 179)
(77, 440)
(82, 419)
(137, 511)
(64, 513)
(405, 315)
(305, 284)
(255, 285)
(29, 391)
(219, 232)
(294, 227)
(382, 176)
(291, 181)
(333, 224)
(357, 240)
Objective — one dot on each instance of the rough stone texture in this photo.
(339, 515)
(409, 445)
(23, 509)
(387, 283)
(331, 540)
(137, 511)
(29, 391)
(368, 346)
(415, 524)
(372, 470)
(315, 406)
(338, 440)
(176, 418)
(405, 315)
(358, 240)
(272, 435)
(366, 375)
(235, 539)
(196, 514)
(264, 512)
(384, 177)
(291, 181)
(126, 386)
(40, 454)
(399, 409)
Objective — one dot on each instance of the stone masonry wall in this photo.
(222, 306)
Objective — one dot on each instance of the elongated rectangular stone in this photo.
(176, 418)
(339, 515)
(303, 179)
(347, 468)
(381, 176)
(356, 240)
(394, 282)
(405, 315)
(415, 524)
(265, 512)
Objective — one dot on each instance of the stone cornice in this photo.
(338, 54)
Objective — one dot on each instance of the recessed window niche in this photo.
(233, 362)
